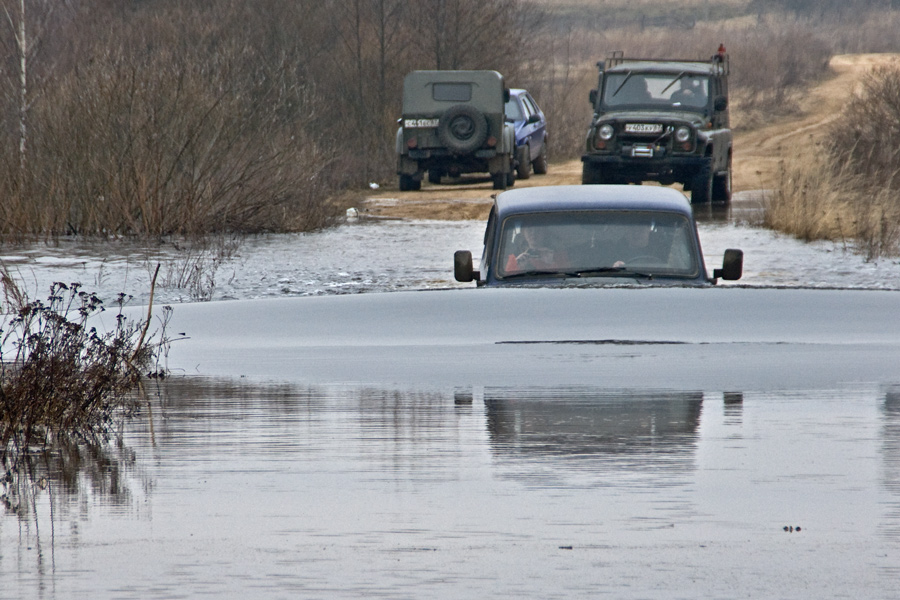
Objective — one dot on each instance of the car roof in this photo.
(695, 68)
(591, 197)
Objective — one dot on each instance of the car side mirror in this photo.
(721, 103)
(462, 266)
(593, 97)
(732, 265)
(534, 119)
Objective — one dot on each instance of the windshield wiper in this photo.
(537, 273)
(624, 81)
(606, 270)
(623, 271)
(673, 82)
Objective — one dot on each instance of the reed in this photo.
(847, 188)
(60, 377)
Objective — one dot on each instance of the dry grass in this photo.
(820, 199)
(849, 189)
(61, 378)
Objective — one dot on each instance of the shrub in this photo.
(848, 189)
(63, 378)
(866, 139)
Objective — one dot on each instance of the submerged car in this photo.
(592, 235)
(531, 133)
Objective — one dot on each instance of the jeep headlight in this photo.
(682, 134)
(606, 132)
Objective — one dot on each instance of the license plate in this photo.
(643, 128)
(642, 151)
(419, 123)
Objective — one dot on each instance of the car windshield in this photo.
(513, 110)
(597, 243)
(657, 89)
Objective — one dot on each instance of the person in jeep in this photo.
(664, 121)
(454, 122)
(691, 92)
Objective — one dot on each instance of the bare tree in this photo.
(466, 34)
(29, 24)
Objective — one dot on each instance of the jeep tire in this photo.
(721, 191)
(702, 184)
(540, 163)
(591, 174)
(408, 183)
(462, 129)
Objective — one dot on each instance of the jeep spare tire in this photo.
(462, 129)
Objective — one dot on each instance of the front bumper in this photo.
(662, 168)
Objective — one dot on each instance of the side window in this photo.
(532, 105)
(526, 108)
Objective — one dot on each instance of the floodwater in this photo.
(388, 255)
(243, 489)
(234, 491)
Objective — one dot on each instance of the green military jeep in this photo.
(453, 122)
(664, 121)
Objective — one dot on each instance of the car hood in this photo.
(653, 116)
(654, 338)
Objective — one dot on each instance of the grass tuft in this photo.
(61, 379)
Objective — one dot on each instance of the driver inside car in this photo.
(540, 252)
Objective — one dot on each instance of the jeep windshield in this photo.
(600, 243)
(676, 90)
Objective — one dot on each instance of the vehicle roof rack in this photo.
(719, 61)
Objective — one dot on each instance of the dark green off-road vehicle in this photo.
(664, 121)
(453, 123)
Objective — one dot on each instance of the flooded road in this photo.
(235, 491)
(389, 255)
(238, 488)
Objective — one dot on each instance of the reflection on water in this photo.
(230, 489)
(606, 430)
(42, 505)
(891, 453)
(68, 477)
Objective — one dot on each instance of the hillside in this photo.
(757, 153)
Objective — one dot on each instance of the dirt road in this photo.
(757, 153)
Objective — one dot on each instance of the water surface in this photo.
(232, 490)
(370, 256)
